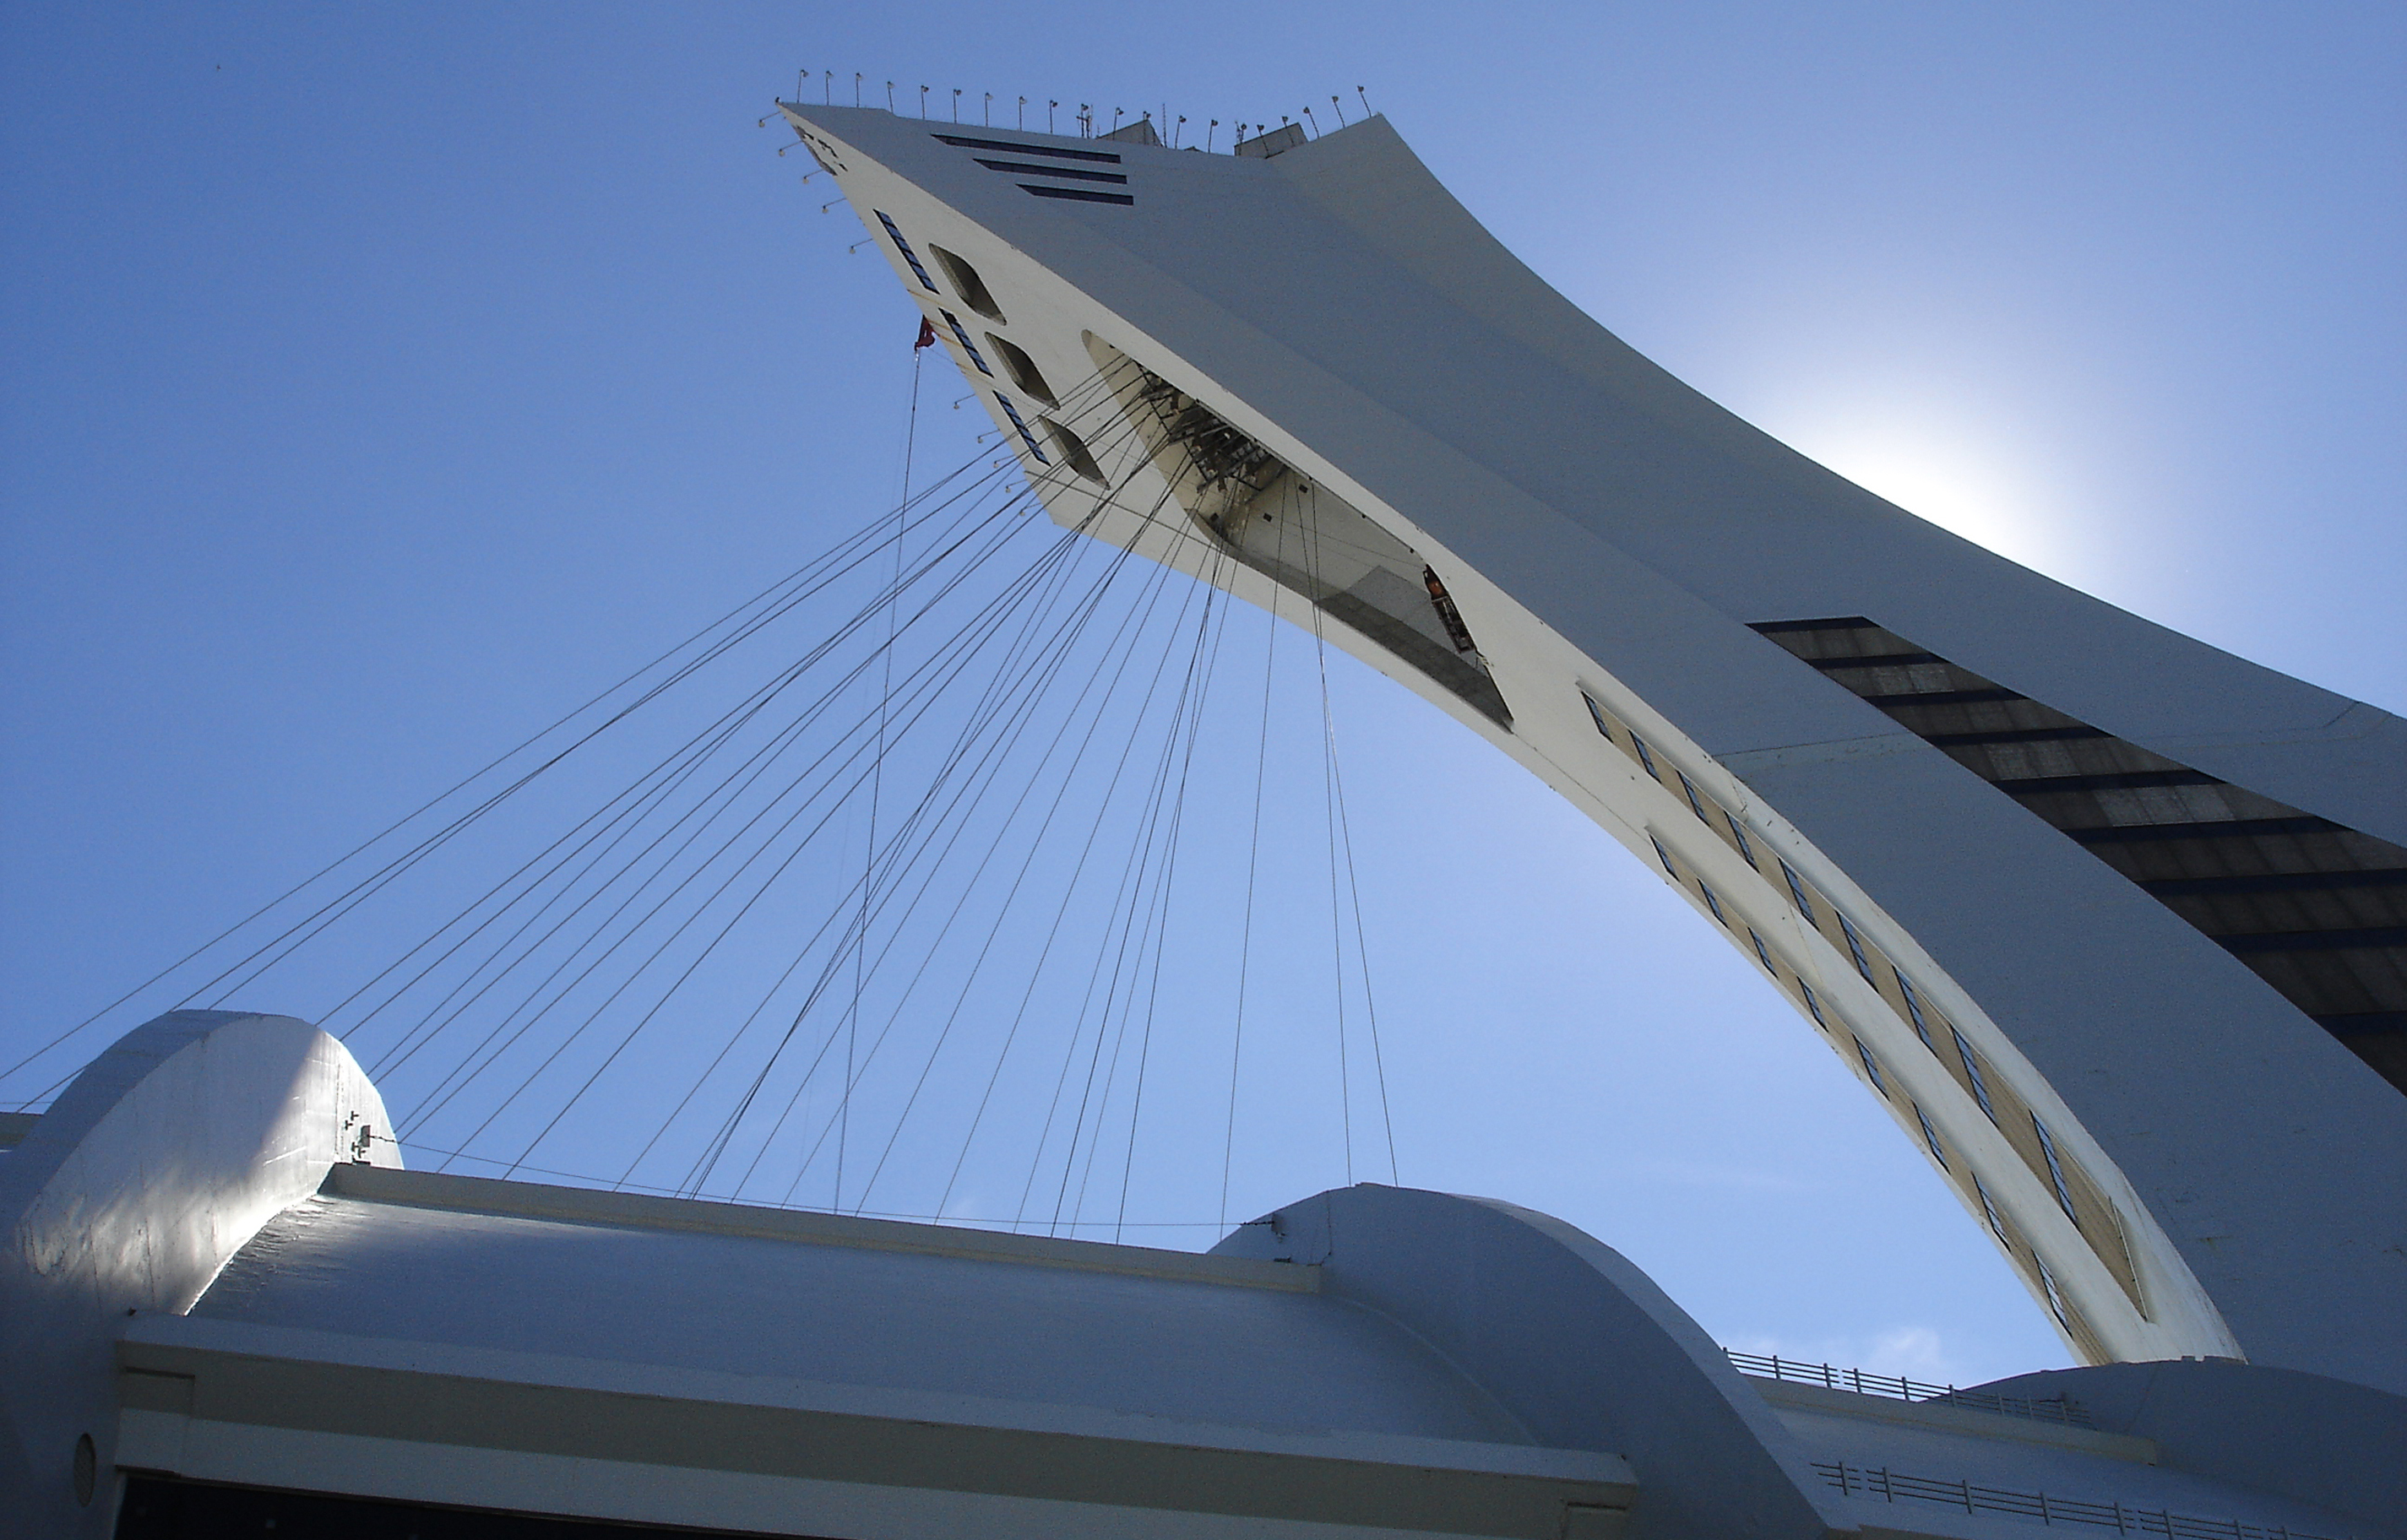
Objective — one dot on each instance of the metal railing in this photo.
(2073, 1414)
(1892, 1487)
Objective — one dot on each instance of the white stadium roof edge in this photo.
(225, 1297)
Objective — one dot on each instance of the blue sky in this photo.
(383, 380)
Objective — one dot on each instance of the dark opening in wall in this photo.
(1075, 453)
(1305, 537)
(2315, 908)
(967, 284)
(1023, 369)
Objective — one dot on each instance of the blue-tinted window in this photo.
(1813, 1005)
(1645, 758)
(970, 348)
(1972, 1073)
(895, 234)
(1665, 857)
(1025, 436)
(1696, 804)
(2054, 1168)
(1746, 845)
(2047, 1282)
(1871, 1070)
(1712, 903)
(1914, 1011)
(1762, 953)
(1596, 715)
(1930, 1136)
(1990, 1209)
(1855, 947)
(1797, 891)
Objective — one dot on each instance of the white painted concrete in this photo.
(1602, 525)
(161, 1161)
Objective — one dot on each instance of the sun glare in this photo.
(1960, 476)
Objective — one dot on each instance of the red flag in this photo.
(927, 334)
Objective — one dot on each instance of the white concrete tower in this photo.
(2098, 910)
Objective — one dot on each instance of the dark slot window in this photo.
(1797, 891)
(1762, 953)
(1930, 1135)
(1023, 369)
(1872, 1068)
(1696, 804)
(1077, 195)
(1055, 152)
(964, 338)
(1646, 756)
(1746, 845)
(1855, 947)
(1596, 715)
(1072, 173)
(1813, 1005)
(1972, 1073)
(1913, 1009)
(967, 284)
(1075, 453)
(894, 233)
(2055, 1298)
(1025, 436)
(1714, 904)
(1989, 1211)
(2054, 1168)
(1665, 857)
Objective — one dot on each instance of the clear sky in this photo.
(381, 381)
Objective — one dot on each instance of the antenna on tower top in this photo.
(1366, 101)
(1338, 107)
(1314, 121)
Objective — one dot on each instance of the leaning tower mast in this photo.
(2113, 923)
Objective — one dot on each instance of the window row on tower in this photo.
(971, 288)
(2025, 1130)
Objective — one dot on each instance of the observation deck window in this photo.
(1074, 451)
(1023, 369)
(967, 284)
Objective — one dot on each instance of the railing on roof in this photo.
(1890, 1486)
(1898, 1388)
